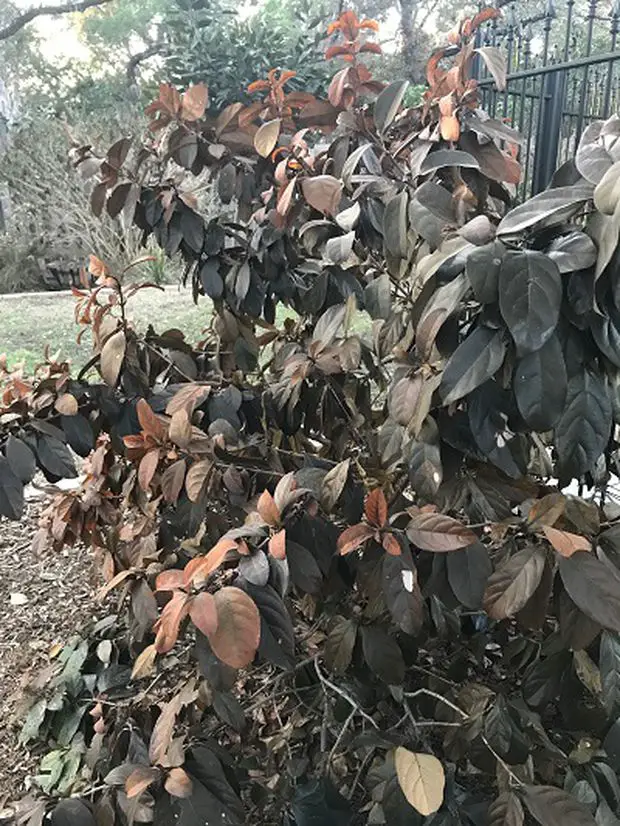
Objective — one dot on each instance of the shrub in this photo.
(350, 584)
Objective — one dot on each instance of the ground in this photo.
(30, 321)
(43, 601)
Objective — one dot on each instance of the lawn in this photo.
(29, 322)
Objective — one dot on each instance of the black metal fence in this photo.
(563, 73)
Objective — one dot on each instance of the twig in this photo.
(341, 734)
(464, 716)
(342, 693)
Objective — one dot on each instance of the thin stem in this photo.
(342, 693)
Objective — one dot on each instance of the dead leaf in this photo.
(376, 508)
(421, 778)
(266, 137)
(180, 430)
(238, 631)
(195, 102)
(112, 355)
(66, 405)
(566, 543)
(178, 783)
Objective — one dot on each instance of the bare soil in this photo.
(43, 602)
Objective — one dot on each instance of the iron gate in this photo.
(563, 73)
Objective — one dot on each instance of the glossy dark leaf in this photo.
(388, 103)
(303, 567)
(402, 593)
(488, 409)
(55, 458)
(383, 655)
(530, 296)
(72, 812)
(542, 682)
(583, 429)
(513, 583)
(339, 644)
(277, 638)
(575, 251)
(20, 458)
(554, 807)
(482, 269)
(475, 360)
(229, 710)
(425, 469)
(395, 225)
(11, 492)
(506, 810)
(609, 666)
(468, 572)
(606, 332)
(79, 433)
(204, 766)
(594, 587)
(553, 206)
(540, 384)
(441, 158)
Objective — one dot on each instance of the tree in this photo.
(18, 21)
(349, 571)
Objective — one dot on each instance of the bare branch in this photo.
(28, 16)
(140, 57)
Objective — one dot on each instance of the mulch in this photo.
(44, 599)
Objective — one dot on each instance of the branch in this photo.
(135, 60)
(28, 16)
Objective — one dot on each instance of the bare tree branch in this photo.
(137, 59)
(28, 16)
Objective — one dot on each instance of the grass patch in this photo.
(29, 322)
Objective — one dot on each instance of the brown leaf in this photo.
(203, 613)
(323, 193)
(145, 661)
(171, 580)
(340, 643)
(513, 583)
(139, 780)
(375, 508)
(147, 468)
(267, 136)
(178, 783)
(180, 430)
(286, 492)
(161, 738)
(121, 576)
(188, 398)
(197, 571)
(506, 810)
(150, 423)
(112, 355)
(172, 480)
(439, 533)
(277, 545)
(391, 545)
(170, 621)
(267, 509)
(196, 478)
(66, 405)
(421, 778)
(566, 543)
(195, 102)
(546, 511)
(354, 537)
(238, 631)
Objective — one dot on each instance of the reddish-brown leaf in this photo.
(178, 783)
(170, 621)
(188, 398)
(140, 779)
(196, 478)
(171, 580)
(121, 576)
(512, 584)
(180, 430)
(203, 613)
(439, 533)
(147, 468)
(376, 508)
(170, 98)
(150, 423)
(277, 545)
(172, 480)
(238, 631)
(323, 193)
(566, 543)
(195, 101)
(66, 405)
(546, 511)
(267, 508)
(391, 545)
(354, 537)
(199, 568)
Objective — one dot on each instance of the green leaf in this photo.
(553, 206)
(514, 582)
(555, 807)
(583, 429)
(474, 361)
(530, 297)
(540, 385)
(594, 587)
(388, 103)
(33, 722)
